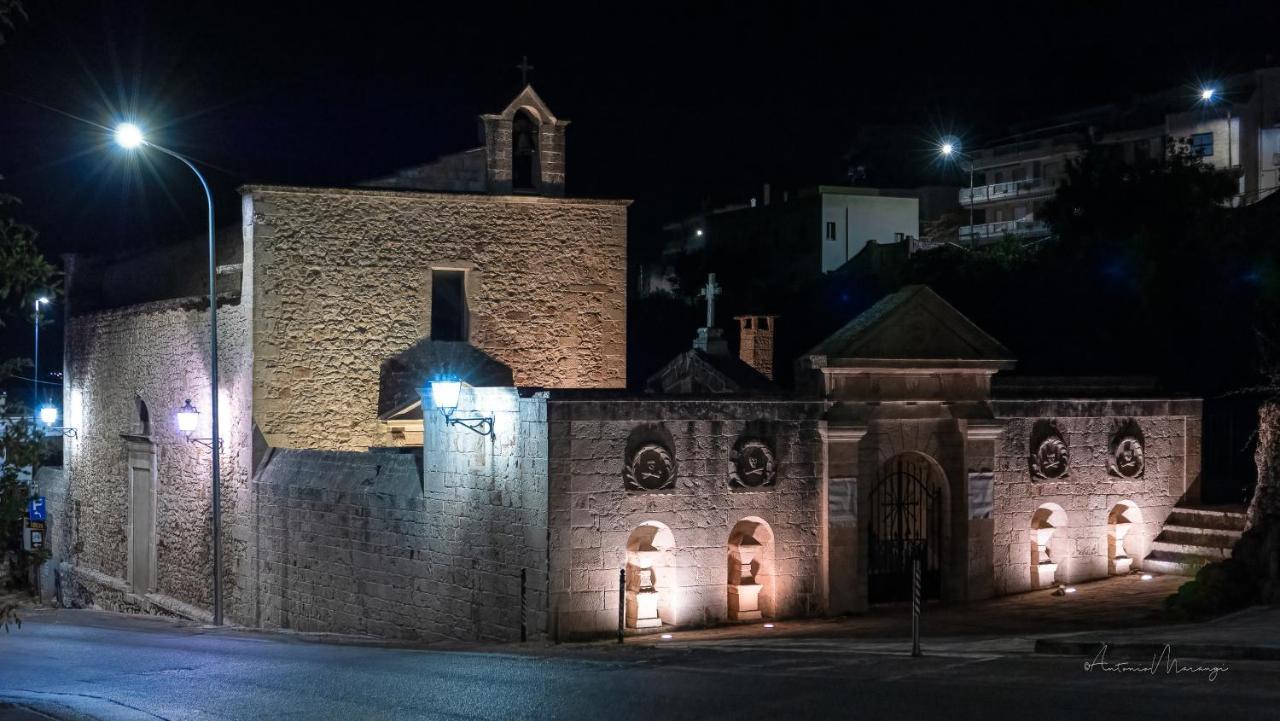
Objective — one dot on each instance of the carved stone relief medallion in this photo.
(1050, 458)
(1126, 459)
(650, 469)
(752, 466)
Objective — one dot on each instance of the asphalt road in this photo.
(85, 665)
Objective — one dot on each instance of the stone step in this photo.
(1229, 533)
(1213, 553)
(1173, 564)
(1219, 517)
(1198, 537)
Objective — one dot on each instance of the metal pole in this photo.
(35, 373)
(915, 607)
(622, 600)
(213, 396)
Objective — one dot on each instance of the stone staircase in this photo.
(1194, 536)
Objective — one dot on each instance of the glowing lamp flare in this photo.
(129, 136)
(188, 418)
(947, 148)
(1207, 94)
(48, 415)
(444, 394)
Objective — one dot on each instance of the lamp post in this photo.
(35, 372)
(130, 136)
(1208, 96)
(948, 149)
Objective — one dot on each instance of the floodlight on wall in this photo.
(188, 417)
(445, 393)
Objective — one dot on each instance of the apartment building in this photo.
(1236, 126)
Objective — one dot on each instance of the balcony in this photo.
(1021, 228)
(1006, 191)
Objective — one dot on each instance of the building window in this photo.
(448, 305)
(831, 230)
(1202, 145)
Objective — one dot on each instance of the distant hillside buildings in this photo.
(1237, 126)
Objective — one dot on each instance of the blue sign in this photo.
(35, 508)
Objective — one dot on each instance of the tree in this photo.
(9, 11)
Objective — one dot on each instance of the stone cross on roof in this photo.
(524, 67)
(710, 291)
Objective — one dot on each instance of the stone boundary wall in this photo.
(351, 542)
(593, 515)
(342, 281)
(157, 352)
(1089, 493)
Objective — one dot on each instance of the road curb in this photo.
(1090, 649)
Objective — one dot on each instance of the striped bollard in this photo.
(915, 607)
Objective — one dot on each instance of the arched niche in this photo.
(1047, 522)
(751, 571)
(141, 422)
(650, 578)
(524, 150)
(1123, 537)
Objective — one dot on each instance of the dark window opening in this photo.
(831, 230)
(448, 305)
(524, 151)
(1202, 145)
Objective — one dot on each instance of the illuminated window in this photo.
(1202, 145)
(448, 305)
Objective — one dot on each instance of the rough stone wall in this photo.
(1089, 492)
(157, 352)
(351, 542)
(592, 515)
(342, 280)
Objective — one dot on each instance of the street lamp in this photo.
(1208, 96)
(130, 136)
(950, 149)
(48, 414)
(444, 396)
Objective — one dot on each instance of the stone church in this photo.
(536, 497)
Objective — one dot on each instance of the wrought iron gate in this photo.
(906, 523)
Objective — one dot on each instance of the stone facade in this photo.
(342, 281)
(157, 354)
(1088, 493)
(593, 514)
(351, 542)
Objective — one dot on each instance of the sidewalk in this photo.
(1251, 634)
(1117, 602)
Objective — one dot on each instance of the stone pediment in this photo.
(529, 100)
(913, 327)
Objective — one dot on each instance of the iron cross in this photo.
(524, 67)
(710, 292)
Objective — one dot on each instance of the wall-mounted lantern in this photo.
(49, 417)
(444, 395)
(188, 420)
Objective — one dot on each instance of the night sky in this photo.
(670, 105)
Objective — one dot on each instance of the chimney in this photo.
(755, 342)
